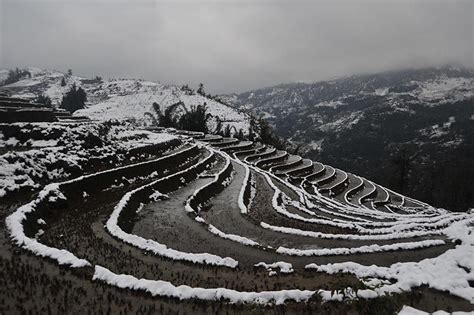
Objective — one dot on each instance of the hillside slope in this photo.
(410, 130)
(121, 98)
(195, 223)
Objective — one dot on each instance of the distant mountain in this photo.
(121, 98)
(411, 130)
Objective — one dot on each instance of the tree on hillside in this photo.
(227, 132)
(63, 82)
(195, 119)
(218, 129)
(16, 75)
(402, 160)
(240, 135)
(200, 89)
(252, 128)
(186, 89)
(251, 134)
(44, 99)
(74, 99)
(266, 135)
(155, 118)
(168, 119)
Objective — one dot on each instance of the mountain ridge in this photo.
(360, 121)
(122, 98)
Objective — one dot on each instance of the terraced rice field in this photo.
(209, 225)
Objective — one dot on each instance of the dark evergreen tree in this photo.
(63, 82)
(156, 109)
(240, 135)
(227, 131)
(74, 99)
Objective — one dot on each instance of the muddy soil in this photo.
(30, 284)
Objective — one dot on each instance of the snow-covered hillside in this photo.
(3, 75)
(375, 118)
(306, 112)
(131, 99)
(35, 153)
(121, 98)
(47, 82)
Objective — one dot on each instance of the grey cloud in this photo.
(234, 45)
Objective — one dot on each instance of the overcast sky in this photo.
(232, 45)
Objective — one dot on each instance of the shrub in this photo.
(44, 99)
(168, 120)
(195, 119)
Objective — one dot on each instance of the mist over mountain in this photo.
(411, 130)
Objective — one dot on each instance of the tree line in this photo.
(16, 75)
(196, 118)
